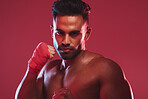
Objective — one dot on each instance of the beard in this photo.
(70, 54)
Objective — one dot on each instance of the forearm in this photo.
(27, 88)
(31, 87)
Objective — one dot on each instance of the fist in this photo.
(41, 55)
(63, 93)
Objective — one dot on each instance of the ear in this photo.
(87, 34)
(51, 28)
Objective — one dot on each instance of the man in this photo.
(79, 74)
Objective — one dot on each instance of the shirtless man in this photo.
(79, 74)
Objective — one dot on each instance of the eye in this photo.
(59, 33)
(74, 33)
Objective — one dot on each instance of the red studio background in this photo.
(119, 32)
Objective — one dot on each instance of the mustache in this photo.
(61, 47)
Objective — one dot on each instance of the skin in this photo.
(79, 74)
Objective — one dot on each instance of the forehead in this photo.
(68, 21)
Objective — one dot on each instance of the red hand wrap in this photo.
(39, 58)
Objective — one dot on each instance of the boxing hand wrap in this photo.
(39, 58)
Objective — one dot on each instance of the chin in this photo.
(67, 56)
(71, 55)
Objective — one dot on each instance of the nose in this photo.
(66, 40)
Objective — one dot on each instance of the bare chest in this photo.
(82, 83)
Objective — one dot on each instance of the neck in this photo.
(67, 63)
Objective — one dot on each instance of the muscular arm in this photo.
(113, 83)
(30, 87)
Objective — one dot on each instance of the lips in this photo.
(65, 50)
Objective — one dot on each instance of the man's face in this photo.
(69, 33)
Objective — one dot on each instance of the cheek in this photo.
(58, 39)
(76, 41)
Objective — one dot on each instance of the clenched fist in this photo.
(41, 55)
(63, 93)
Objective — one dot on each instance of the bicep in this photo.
(113, 82)
(40, 84)
(116, 90)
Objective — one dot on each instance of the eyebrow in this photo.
(76, 31)
(59, 30)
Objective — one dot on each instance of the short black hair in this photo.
(72, 8)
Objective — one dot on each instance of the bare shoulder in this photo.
(107, 68)
(111, 78)
(104, 66)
